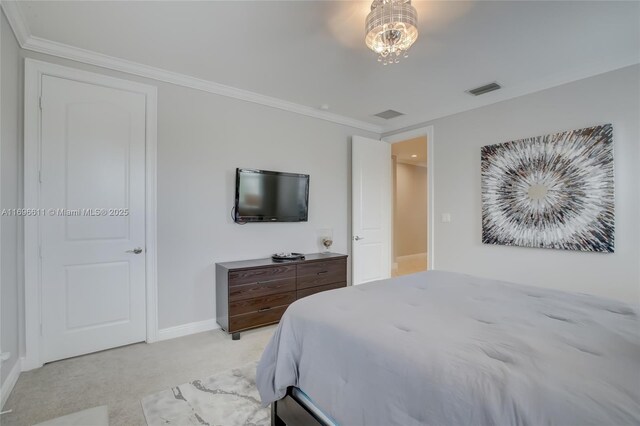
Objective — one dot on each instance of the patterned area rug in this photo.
(229, 398)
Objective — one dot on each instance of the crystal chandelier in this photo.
(391, 29)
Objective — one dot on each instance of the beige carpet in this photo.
(97, 416)
(120, 378)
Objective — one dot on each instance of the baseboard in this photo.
(186, 329)
(10, 382)
(417, 256)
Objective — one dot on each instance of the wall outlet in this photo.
(446, 217)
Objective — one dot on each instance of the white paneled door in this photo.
(92, 226)
(371, 209)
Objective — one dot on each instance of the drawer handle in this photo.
(264, 309)
(322, 272)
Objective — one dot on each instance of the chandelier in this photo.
(391, 29)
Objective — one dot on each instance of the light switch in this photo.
(446, 217)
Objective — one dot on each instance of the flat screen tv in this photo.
(264, 196)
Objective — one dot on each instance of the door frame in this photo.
(410, 134)
(34, 70)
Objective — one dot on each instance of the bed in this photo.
(445, 348)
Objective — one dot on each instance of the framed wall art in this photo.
(554, 191)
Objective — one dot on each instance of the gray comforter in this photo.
(442, 348)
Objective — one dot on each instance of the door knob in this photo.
(136, 250)
(358, 238)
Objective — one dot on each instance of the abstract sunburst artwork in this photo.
(553, 191)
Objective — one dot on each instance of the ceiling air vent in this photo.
(388, 114)
(484, 89)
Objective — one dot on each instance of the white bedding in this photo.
(442, 348)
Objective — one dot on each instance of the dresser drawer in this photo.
(259, 304)
(255, 319)
(313, 290)
(261, 274)
(249, 291)
(321, 273)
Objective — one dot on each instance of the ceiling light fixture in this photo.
(391, 28)
(414, 156)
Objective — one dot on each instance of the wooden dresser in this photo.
(254, 293)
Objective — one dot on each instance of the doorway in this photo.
(373, 205)
(410, 206)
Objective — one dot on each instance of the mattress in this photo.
(443, 348)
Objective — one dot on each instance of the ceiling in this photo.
(404, 151)
(312, 53)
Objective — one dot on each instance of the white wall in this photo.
(614, 98)
(10, 155)
(202, 138)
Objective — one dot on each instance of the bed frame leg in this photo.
(275, 420)
(235, 336)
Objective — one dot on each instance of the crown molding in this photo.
(16, 21)
(33, 43)
(40, 45)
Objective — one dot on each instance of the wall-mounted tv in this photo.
(264, 196)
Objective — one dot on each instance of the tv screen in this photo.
(264, 196)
